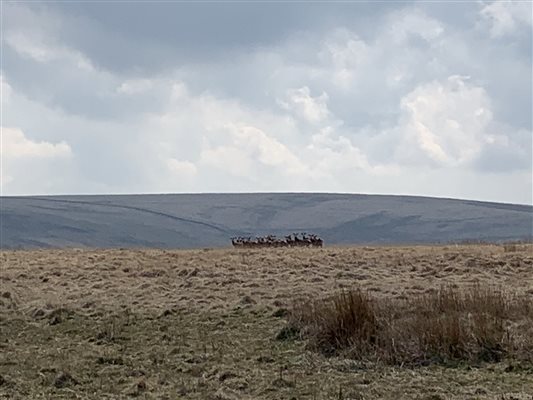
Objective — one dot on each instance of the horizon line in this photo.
(260, 193)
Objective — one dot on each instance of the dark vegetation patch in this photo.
(447, 326)
(64, 379)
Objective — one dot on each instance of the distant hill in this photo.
(209, 220)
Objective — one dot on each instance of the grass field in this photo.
(205, 324)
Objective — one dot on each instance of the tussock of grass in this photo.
(348, 319)
(478, 324)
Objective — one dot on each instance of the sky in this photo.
(418, 98)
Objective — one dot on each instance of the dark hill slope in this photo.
(209, 220)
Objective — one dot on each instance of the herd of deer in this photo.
(294, 240)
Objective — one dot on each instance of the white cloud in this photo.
(16, 145)
(268, 150)
(363, 112)
(311, 109)
(178, 91)
(6, 91)
(353, 63)
(22, 44)
(202, 123)
(184, 169)
(17, 152)
(347, 55)
(339, 157)
(135, 86)
(228, 159)
(34, 47)
(248, 147)
(504, 17)
(408, 23)
(447, 121)
(36, 34)
(334, 155)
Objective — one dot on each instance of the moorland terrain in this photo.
(209, 220)
(216, 323)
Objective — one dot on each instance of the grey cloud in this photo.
(503, 159)
(106, 88)
(259, 73)
(60, 83)
(510, 152)
(144, 36)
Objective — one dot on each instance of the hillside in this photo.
(209, 220)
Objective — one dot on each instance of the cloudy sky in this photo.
(422, 98)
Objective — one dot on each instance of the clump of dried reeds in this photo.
(475, 324)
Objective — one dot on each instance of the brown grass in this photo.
(167, 324)
(346, 320)
(473, 324)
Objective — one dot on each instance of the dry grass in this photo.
(157, 324)
(472, 324)
(347, 320)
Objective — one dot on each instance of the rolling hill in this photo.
(209, 220)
